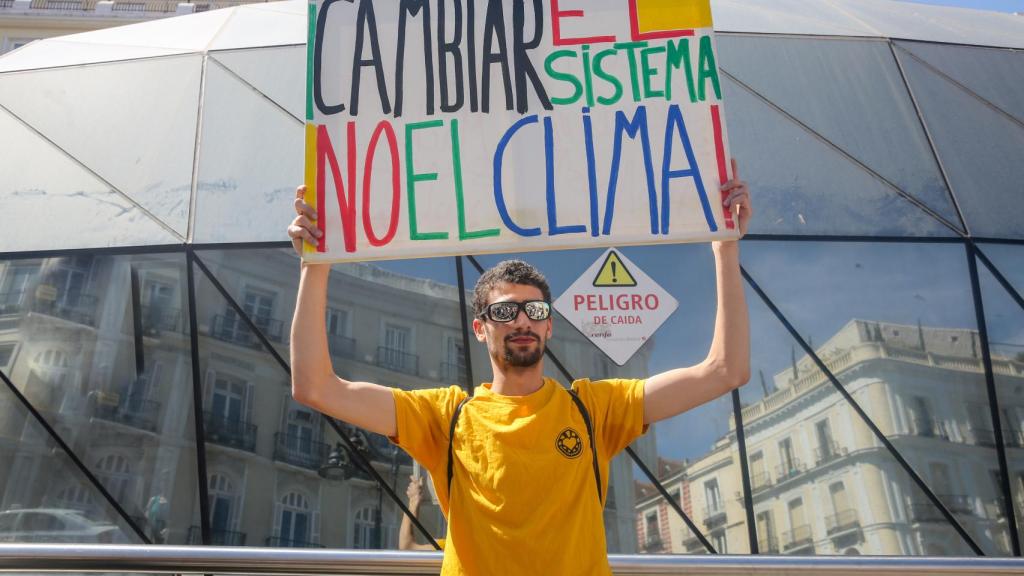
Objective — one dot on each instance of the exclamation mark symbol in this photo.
(614, 278)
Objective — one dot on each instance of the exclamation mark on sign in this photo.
(615, 277)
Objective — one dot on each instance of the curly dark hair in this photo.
(508, 272)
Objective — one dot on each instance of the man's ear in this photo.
(551, 325)
(478, 329)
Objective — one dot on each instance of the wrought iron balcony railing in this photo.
(768, 544)
(714, 514)
(842, 521)
(276, 542)
(300, 451)
(229, 432)
(73, 307)
(398, 360)
(453, 373)
(958, 503)
(131, 411)
(798, 538)
(217, 537)
(234, 330)
(157, 319)
(785, 471)
(342, 346)
(827, 453)
(760, 481)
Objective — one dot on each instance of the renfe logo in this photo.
(616, 305)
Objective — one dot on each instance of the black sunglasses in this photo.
(508, 311)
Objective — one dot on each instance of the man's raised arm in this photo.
(727, 365)
(369, 406)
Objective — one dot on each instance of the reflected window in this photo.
(767, 541)
(719, 541)
(652, 531)
(363, 528)
(223, 519)
(453, 367)
(920, 414)
(294, 522)
(14, 288)
(395, 352)
(6, 354)
(337, 322)
(115, 473)
(74, 496)
(712, 496)
(787, 461)
(301, 431)
(758, 472)
(840, 503)
(229, 398)
(826, 446)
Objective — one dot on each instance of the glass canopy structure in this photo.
(146, 286)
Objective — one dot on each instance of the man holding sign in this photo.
(515, 468)
(545, 128)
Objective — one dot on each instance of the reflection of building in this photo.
(22, 21)
(822, 483)
(101, 347)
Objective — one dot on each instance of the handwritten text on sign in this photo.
(440, 127)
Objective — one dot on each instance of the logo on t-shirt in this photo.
(569, 443)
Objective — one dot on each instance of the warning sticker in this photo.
(613, 273)
(616, 305)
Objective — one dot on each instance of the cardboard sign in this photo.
(616, 306)
(442, 127)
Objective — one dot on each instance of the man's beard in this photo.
(526, 358)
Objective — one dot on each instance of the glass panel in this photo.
(895, 324)
(44, 498)
(858, 102)
(988, 72)
(249, 156)
(248, 28)
(271, 445)
(81, 211)
(280, 73)
(787, 17)
(77, 323)
(684, 452)
(60, 51)
(133, 124)
(1004, 318)
(979, 147)
(803, 186)
(984, 25)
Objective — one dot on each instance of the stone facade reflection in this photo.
(821, 481)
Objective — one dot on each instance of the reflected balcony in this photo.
(923, 511)
(73, 307)
(229, 432)
(714, 514)
(768, 544)
(453, 373)
(827, 453)
(398, 360)
(842, 522)
(159, 319)
(653, 543)
(234, 330)
(930, 429)
(760, 481)
(300, 451)
(1013, 438)
(277, 542)
(958, 503)
(984, 437)
(994, 509)
(799, 540)
(785, 471)
(128, 410)
(693, 545)
(342, 346)
(217, 537)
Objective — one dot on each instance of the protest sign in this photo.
(442, 127)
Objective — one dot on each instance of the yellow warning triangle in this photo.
(613, 273)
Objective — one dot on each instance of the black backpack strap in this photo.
(593, 443)
(451, 442)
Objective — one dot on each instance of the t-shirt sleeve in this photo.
(423, 417)
(617, 409)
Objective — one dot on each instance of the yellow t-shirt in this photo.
(523, 498)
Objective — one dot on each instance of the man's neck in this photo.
(517, 381)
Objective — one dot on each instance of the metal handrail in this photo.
(292, 562)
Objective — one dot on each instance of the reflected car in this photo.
(56, 525)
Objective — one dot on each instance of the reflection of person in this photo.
(406, 537)
(521, 469)
(156, 515)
